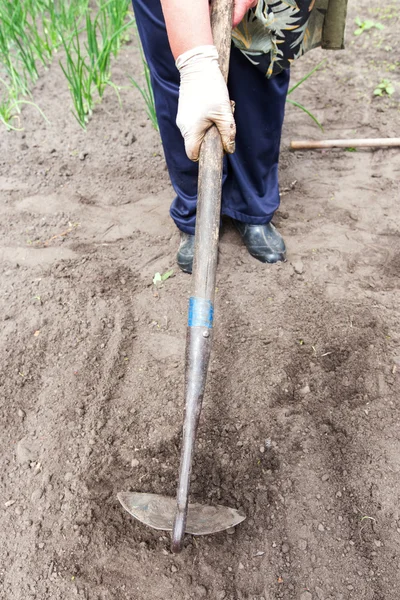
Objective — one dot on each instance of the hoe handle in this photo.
(199, 332)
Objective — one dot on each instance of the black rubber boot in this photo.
(185, 254)
(263, 242)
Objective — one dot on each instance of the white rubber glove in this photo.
(203, 100)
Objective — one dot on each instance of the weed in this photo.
(366, 26)
(386, 12)
(385, 87)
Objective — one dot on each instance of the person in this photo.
(191, 94)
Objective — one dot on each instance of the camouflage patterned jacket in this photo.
(277, 32)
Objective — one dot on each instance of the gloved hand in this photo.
(203, 100)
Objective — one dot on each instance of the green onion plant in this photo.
(146, 91)
(90, 70)
(32, 31)
(79, 77)
(301, 106)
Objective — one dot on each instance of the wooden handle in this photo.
(199, 332)
(354, 143)
(210, 170)
(221, 23)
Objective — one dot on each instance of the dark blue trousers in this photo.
(250, 188)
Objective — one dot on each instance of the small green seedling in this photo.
(158, 278)
(385, 87)
(296, 85)
(8, 110)
(366, 26)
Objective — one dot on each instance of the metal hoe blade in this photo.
(158, 512)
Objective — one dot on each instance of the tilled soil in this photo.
(300, 423)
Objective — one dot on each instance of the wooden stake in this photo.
(355, 143)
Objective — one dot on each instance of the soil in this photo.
(300, 422)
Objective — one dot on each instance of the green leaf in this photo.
(158, 278)
(366, 25)
(167, 275)
(385, 86)
(303, 108)
(303, 79)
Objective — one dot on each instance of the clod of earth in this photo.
(26, 451)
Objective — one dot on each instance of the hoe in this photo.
(176, 514)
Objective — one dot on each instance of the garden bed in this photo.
(300, 423)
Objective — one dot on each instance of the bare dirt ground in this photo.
(301, 420)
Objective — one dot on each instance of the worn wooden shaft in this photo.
(352, 143)
(199, 333)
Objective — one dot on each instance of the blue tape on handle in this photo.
(201, 313)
